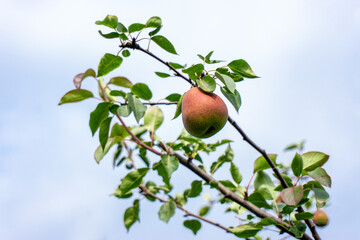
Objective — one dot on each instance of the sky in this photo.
(306, 52)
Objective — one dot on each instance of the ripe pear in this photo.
(320, 218)
(203, 114)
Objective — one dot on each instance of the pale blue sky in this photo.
(306, 52)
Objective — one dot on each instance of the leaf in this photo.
(245, 230)
(241, 67)
(167, 210)
(297, 165)
(81, 76)
(258, 200)
(164, 43)
(102, 86)
(136, 106)
(98, 115)
(131, 215)
(261, 163)
(118, 93)
(298, 229)
(110, 21)
(104, 131)
(135, 27)
(313, 160)
(265, 185)
(176, 65)
(173, 97)
(119, 194)
(196, 188)
(292, 195)
(266, 222)
(162, 75)
(121, 28)
(228, 81)
(124, 110)
(109, 35)
(204, 210)
(152, 33)
(153, 118)
(108, 63)
(206, 83)
(121, 82)
(170, 163)
(235, 173)
(227, 157)
(133, 179)
(321, 194)
(142, 91)
(320, 175)
(178, 107)
(196, 69)
(154, 22)
(159, 167)
(304, 216)
(234, 99)
(101, 152)
(193, 225)
(126, 53)
(75, 96)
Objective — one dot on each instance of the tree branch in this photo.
(146, 191)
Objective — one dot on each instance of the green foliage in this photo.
(137, 144)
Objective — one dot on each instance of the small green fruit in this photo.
(203, 114)
(320, 218)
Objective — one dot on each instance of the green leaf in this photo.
(173, 97)
(110, 21)
(304, 216)
(265, 185)
(298, 145)
(258, 200)
(178, 107)
(98, 115)
(234, 99)
(292, 195)
(196, 69)
(167, 210)
(124, 110)
(142, 91)
(193, 225)
(123, 37)
(118, 93)
(101, 152)
(170, 163)
(162, 75)
(104, 131)
(204, 210)
(108, 63)
(298, 229)
(206, 83)
(119, 194)
(120, 27)
(245, 230)
(261, 163)
(126, 53)
(109, 35)
(313, 160)
(266, 222)
(131, 214)
(164, 43)
(321, 194)
(320, 175)
(135, 27)
(153, 118)
(228, 81)
(176, 65)
(133, 179)
(152, 33)
(159, 167)
(136, 106)
(196, 188)
(235, 173)
(81, 76)
(75, 96)
(121, 82)
(297, 165)
(241, 67)
(227, 157)
(154, 22)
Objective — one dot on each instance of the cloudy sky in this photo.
(306, 52)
